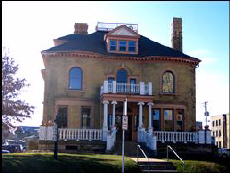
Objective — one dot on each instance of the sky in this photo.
(30, 27)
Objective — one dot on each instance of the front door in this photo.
(128, 133)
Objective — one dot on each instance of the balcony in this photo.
(125, 88)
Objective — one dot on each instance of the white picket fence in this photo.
(79, 134)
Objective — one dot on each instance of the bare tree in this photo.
(13, 108)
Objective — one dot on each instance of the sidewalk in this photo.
(146, 160)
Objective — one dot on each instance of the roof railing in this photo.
(102, 26)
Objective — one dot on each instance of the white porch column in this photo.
(141, 130)
(150, 117)
(105, 123)
(113, 122)
(142, 88)
(140, 114)
(150, 88)
(114, 87)
(106, 89)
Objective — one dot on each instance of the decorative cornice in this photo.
(86, 54)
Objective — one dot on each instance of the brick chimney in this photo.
(176, 34)
(81, 28)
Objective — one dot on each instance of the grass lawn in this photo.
(196, 166)
(94, 163)
(44, 162)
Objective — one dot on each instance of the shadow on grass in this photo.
(65, 163)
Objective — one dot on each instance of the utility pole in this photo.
(206, 113)
(124, 127)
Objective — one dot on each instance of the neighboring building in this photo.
(88, 76)
(22, 132)
(199, 126)
(220, 130)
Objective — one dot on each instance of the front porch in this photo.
(70, 136)
(147, 122)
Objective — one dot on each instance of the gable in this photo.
(123, 31)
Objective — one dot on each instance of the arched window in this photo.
(122, 76)
(168, 82)
(75, 78)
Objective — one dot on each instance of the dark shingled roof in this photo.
(95, 43)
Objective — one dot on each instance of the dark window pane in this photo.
(122, 76)
(75, 78)
(156, 120)
(62, 117)
(86, 118)
(110, 79)
(113, 45)
(133, 81)
(132, 46)
(132, 86)
(168, 115)
(122, 45)
(179, 120)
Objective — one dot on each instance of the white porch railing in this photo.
(142, 88)
(111, 140)
(148, 138)
(79, 134)
(185, 137)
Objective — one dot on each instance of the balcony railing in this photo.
(141, 88)
(101, 26)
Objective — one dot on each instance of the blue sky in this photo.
(30, 27)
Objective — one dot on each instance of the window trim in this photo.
(127, 74)
(81, 79)
(159, 121)
(174, 82)
(67, 112)
(131, 46)
(173, 112)
(110, 45)
(90, 123)
(119, 38)
(173, 89)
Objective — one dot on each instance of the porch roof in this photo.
(122, 97)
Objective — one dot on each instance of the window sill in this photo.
(79, 91)
(123, 52)
(172, 94)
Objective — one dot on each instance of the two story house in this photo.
(87, 77)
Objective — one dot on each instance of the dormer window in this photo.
(113, 45)
(123, 46)
(122, 40)
(132, 46)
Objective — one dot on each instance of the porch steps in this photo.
(155, 165)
